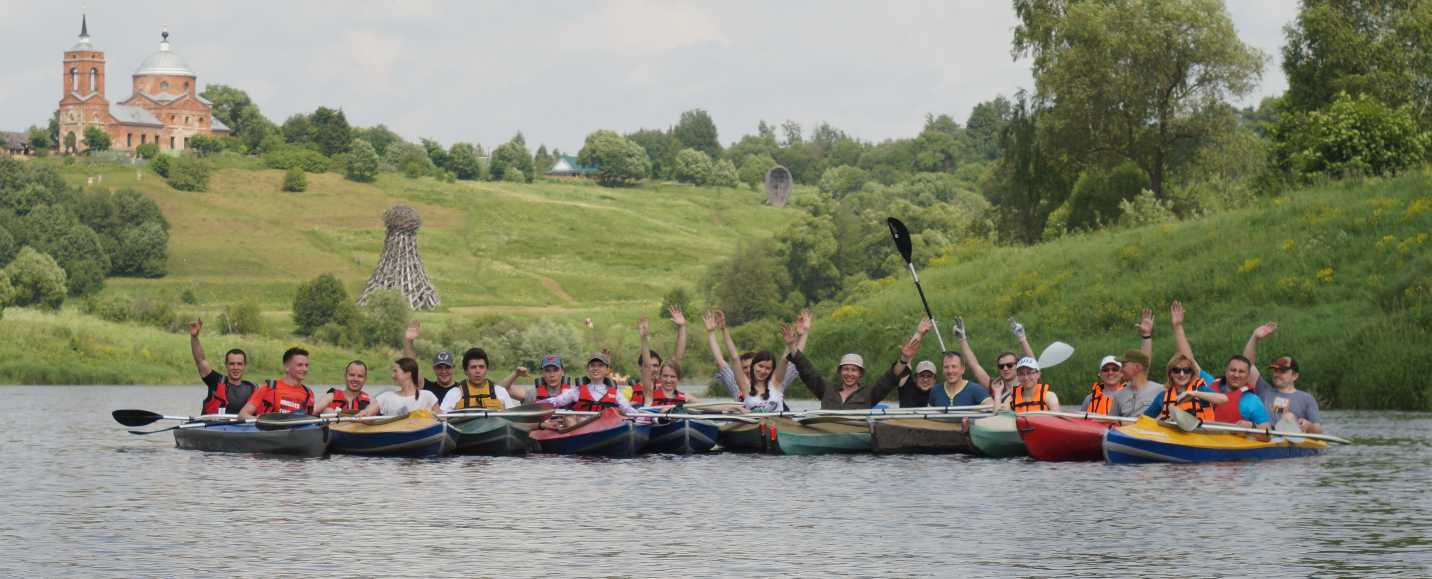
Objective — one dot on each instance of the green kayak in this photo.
(997, 436)
(737, 436)
(490, 436)
(795, 438)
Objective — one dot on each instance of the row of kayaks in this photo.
(1042, 437)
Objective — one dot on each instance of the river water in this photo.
(82, 497)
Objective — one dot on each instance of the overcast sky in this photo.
(481, 71)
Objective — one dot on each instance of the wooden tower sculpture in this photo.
(401, 266)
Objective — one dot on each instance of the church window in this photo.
(171, 142)
(129, 140)
(164, 85)
(143, 139)
(186, 119)
(74, 79)
(186, 86)
(92, 75)
(96, 117)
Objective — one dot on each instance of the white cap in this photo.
(1027, 363)
(1110, 360)
(853, 360)
(925, 366)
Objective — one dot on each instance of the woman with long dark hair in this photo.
(409, 396)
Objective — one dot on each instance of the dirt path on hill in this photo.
(554, 287)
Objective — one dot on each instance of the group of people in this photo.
(1124, 388)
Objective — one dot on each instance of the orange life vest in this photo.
(1100, 402)
(658, 398)
(1038, 402)
(543, 392)
(271, 401)
(1195, 406)
(586, 402)
(341, 401)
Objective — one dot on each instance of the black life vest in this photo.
(543, 393)
(217, 402)
(1036, 403)
(341, 401)
(271, 402)
(586, 402)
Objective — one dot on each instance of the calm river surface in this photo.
(82, 497)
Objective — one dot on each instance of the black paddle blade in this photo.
(902, 237)
(275, 421)
(136, 417)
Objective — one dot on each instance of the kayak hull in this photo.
(830, 438)
(416, 434)
(608, 434)
(1062, 438)
(491, 437)
(997, 436)
(682, 437)
(919, 436)
(1147, 441)
(742, 437)
(305, 440)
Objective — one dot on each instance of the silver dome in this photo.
(164, 62)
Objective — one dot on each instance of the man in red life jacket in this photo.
(286, 395)
(351, 397)
(227, 392)
(597, 395)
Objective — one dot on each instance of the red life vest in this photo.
(543, 392)
(341, 401)
(1195, 406)
(217, 401)
(1036, 403)
(1228, 412)
(658, 398)
(1100, 402)
(271, 402)
(586, 402)
(638, 392)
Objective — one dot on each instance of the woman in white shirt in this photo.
(409, 396)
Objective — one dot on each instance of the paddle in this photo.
(879, 411)
(902, 243)
(1292, 429)
(823, 419)
(1054, 354)
(538, 410)
(190, 425)
(1084, 415)
(144, 417)
(1280, 428)
(282, 420)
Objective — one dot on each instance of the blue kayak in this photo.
(305, 440)
(1148, 441)
(683, 436)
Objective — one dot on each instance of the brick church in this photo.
(165, 107)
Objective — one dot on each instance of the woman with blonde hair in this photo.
(1185, 389)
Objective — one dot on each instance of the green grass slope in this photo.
(1343, 268)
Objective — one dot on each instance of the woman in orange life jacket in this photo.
(1240, 378)
(1186, 390)
(351, 397)
(409, 396)
(1031, 394)
(598, 394)
(637, 390)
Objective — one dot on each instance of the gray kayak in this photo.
(305, 440)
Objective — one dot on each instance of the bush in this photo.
(288, 157)
(7, 292)
(1353, 135)
(513, 175)
(1144, 210)
(385, 315)
(143, 251)
(693, 167)
(413, 164)
(187, 296)
(85, 278)
(159, 164)
(362, 161)
(450, 177)
(244, 317)
(159, 314)
(321, 301)
(189, 173)
(37, 280)
(147, 150)
(68, 160)
(295, 181)
(113, 308)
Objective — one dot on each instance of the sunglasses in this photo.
(1109, 369)
(1181, 371)
(1007, 366)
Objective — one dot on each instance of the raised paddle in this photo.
(145, 417)
(902, 243)
(1054, 354)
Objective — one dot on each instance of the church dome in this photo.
(164, 62)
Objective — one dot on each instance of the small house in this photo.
(567, 167)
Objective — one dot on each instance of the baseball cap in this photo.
(443, 359)
(1027, 362)
(605, 359)
(852, 360)
(1285, 363)
(1111, 360)
(1135, 356)
(925, 366)
(552, 360)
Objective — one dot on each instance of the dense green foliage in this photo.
(159, 164)
(290, 157)
(362, 161)
(235, 109)
(696, 130)
(321, 301)
(1352, 135)
(97, 139)
(36, 280)
(189, 173)
(147, 150)
(511, 155)
(620, 160)
(294, 181)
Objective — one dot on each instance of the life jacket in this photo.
(271, 402)
(638, 392)
(483, 397)
(1228, 412)
(1036, 403)
(1100, 402)
(1195, 406)
(217, 402)
(543, 392)
(341, 401)
(586, 402)
(658, 398)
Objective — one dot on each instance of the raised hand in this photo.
(521, 372)
(788, 335)
(414, 328)
(710, 319)
(1176, 312)
(721, 319)
(676, 316)
(803, 322)
(1146, 326)
(194, 327)
(959, 329)
(907, 352)
(641, 327)
(1017, 328)
(1265, 330)
(924, 326)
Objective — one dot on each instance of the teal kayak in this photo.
(998, 436)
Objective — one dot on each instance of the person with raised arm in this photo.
(598, 394)
(476, 391)
(956, 390)
(443, 365)
(1237, 409)
(848, 393)
(286, 395)
(914, 388)
(638, 388)
(1111, 375)
(1132, 400)
(1283, 399)
(351, 397)
(667, 394)
(1031, 394)
(1185, 389)
(759, 385)
(408, 397)
(228, 392)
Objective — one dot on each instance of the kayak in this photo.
(606, 434)
(683, 436)
(997, 436)
(305, 440)
(1149, 441)
(832, 437)
(1063, 438)
(416, 434)
(919, 436)
(742, 436)
(491, 436)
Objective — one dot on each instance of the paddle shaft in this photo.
(1084, 415)
(936, 326)
(1270, 432)
(329, 419)
(191, 425)
(143, 417)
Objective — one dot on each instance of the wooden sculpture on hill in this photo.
(401, 266)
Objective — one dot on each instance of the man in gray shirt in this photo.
(1134, 399)
(1285, 400)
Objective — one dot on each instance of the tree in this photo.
(362, 161)
(235, 109)
(837, 182)
(39, 141)
(205, 145)
(1127, 75)
(414, 164)
(985, 122)
(792, 132)
(294, 180)
(660, 150)
(7, 292)
(692, 166)
(723, 174)
(751, 284)
(37, 280)
(378, 136)
(1031, 180)
(695, 130)
(143, 251)
(85, 278)
(543, 161)
(512, 154)
(619, 160)
(147, 150)
(7, 247)
(754, 168)
(679, 297)
(70, 142)
(320, 301)
(1357, 135)
(330, 131)
(845, 152)
(189, 173)
(297, 129)
(463, 161)
(764, 130)
(936, 151)
(97, 139)
(160, 165)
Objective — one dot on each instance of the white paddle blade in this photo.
(1054, 354)
(1290, 430)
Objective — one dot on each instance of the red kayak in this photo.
(1060, 438)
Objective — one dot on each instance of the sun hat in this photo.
(925, 366)
(852, 360)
